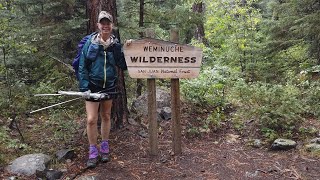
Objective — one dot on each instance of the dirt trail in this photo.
(205, 158)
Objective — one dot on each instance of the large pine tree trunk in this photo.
(92, 15)
(119, 109)
(199, 7)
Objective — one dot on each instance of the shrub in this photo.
(208, 88)
(275, 109)
(215, 119)
(311, 98)
(9, 145)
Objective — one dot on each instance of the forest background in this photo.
(260, 66)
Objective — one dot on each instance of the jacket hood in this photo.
(96, 40)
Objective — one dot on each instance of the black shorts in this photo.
(96, 89)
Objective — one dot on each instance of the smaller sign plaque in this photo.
(152, 58)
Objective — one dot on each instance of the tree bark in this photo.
(199, 34)
(92, 14)
(119, 106)
(141, 24)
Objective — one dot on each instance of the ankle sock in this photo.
(104, 148)
(93, 152)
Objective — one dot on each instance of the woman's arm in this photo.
(120, 60)
(83, 70)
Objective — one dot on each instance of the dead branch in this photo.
(65, 64)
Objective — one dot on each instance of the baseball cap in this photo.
(104, 14)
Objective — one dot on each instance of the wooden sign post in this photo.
(152, 58)
(175, 105)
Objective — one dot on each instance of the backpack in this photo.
(76, 60)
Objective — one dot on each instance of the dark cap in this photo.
(104, 14)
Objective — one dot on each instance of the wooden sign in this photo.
(152, 58)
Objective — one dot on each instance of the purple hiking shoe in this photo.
(93, 157)
(104, 151)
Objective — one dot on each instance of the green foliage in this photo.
(240, 38)
(311, 98)
(306, 132)
(3, 144)
(8, 144)
(193, 132)
(63, 124)
(15, 93)
(258, 39)
(59, 127)
(53, 27)
(275, 109)
(269, 134)
(294, 22)
(286, 64)
(161, 16)
(208, 88)
(215, 119)
(233, 31)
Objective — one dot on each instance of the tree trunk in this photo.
(141, 24)
(318, 52)
(92, 14)
(119, 107)
(199, 34)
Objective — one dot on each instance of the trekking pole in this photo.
(54, 105)
(47, 94)
(84, 94)
(97, 95)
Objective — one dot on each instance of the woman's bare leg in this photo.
(105, 113)
(92, 119)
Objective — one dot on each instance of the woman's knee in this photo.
(105, 117)
(91, 121)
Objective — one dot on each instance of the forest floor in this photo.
(220, 155)
(205, 158)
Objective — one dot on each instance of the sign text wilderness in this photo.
(163, 59)
(151, 58)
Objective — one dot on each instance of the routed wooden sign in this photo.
(152, 58)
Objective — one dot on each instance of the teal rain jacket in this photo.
(98, 65)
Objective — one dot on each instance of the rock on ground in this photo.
(283, 144)
(29, 164)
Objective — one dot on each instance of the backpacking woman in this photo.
(97, 73)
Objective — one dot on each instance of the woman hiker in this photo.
(98, 74)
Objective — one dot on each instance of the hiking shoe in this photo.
(104, 151)
(93, 157)
(92, 163)
(104, 147)
(104, 157)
